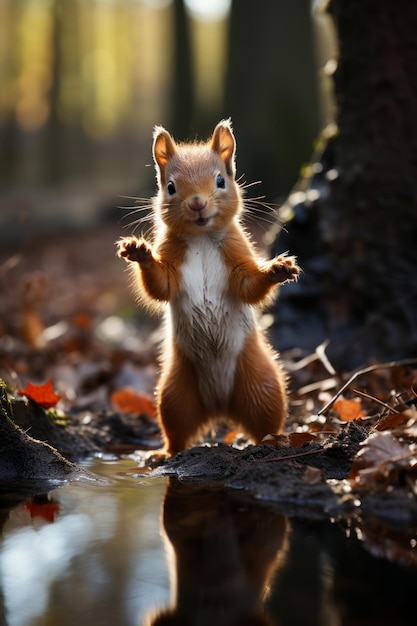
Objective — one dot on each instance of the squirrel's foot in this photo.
(133, 249)
(283, 268)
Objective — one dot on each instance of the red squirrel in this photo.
(216, 363)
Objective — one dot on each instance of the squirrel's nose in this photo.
(197, 203)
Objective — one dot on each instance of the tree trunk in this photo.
(271, 90)
(355, 229)
(54, 134)
(182, 84)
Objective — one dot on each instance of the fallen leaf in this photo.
(392, 421)
(231, 436)
(32, 328)
(380, 461)
(41, 506)
(44, 395)
(313, 475)
(82, 321)
(298, 439)
(348, 409)
(34, 289)
(381, 447)
(128, 401)
(279, 441)
(292, 440)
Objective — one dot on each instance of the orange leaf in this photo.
(348, 410)
(231, 436)
(82, 321)
(40, 506)
(44, 395)
(128, 401)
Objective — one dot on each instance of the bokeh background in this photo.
(83, 82)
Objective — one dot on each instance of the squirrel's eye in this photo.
(220, 182)
(171, 188)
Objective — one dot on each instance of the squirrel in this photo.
(216, 362)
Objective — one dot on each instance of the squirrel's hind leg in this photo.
(259, 399)
(180, 410)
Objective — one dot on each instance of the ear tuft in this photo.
(164, 147)
(223, 142)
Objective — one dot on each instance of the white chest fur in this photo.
(208, 325)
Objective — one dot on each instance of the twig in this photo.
(295, 456)
(360, 372)
(321, 353)
(377, 400)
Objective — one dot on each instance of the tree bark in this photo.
(355, 228)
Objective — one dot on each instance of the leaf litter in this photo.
(71, 331)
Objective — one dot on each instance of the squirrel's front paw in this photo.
(283, 268)
(133, 249)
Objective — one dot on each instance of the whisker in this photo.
(265, 215)
(245, 186)
(262, 208)
(136, 224)
(257, 219)
(144, 218)
(134, 210)
(136, 198)
(135, 206)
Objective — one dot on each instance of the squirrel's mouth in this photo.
(202, 221)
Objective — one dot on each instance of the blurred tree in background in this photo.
(354, 217)
(271, 90)
(84, 82)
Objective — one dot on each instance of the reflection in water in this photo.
(90, 555)
(100, 562)
(224, 553)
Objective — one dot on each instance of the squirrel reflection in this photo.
(224, 553)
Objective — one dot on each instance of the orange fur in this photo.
(216, 363)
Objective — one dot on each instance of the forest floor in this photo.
(67, 316)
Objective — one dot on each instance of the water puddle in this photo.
(152, 551)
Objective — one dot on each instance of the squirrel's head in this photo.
(196, 181)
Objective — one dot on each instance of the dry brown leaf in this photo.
(279, 441)
(82, 320)
(380, 461)
(392, 420)
(313, 475)
(348, 409)
(291, 440)
(298, 439)
(381, 447)
(32, 328)
(128, 401)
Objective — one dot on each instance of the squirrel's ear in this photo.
(163, 148)
(223, 142)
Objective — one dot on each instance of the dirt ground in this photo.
(68, 316)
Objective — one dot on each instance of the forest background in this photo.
(84, 82)
(322, 96)
(323, 102)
